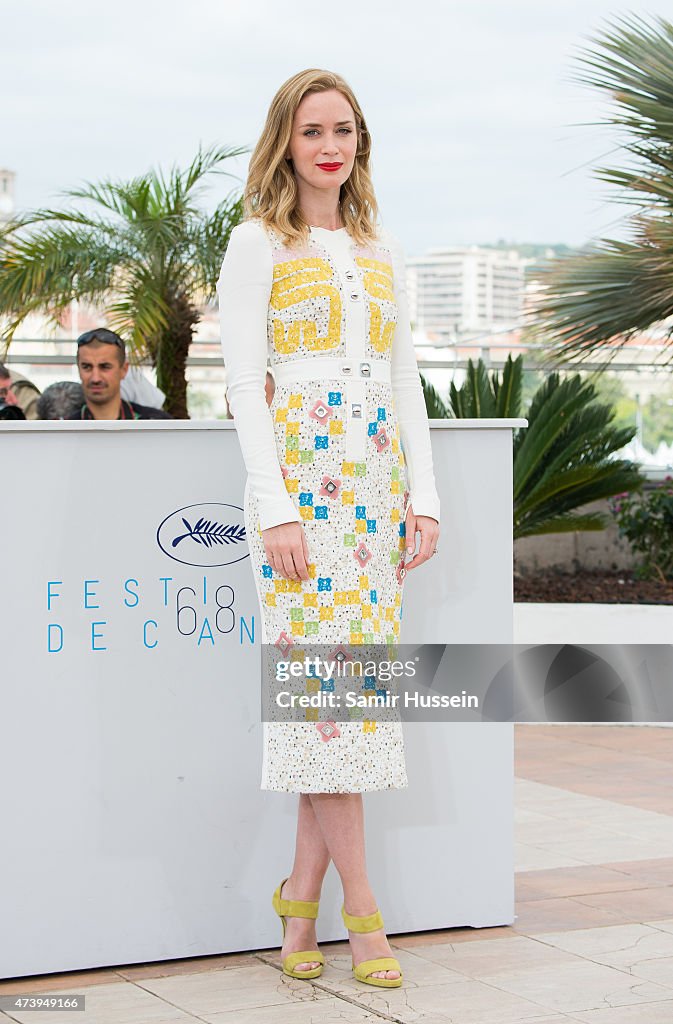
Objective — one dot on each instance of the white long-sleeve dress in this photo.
(343, 448)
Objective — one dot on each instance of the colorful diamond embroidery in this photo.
(321, 411)
(330, 487)
(328, 730)
(283, 643)
(362, 553)
(340, 654)
(381, 440)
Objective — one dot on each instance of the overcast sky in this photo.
(478, 132)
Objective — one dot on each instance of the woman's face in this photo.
(323, 132)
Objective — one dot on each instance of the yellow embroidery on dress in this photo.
(380, 336)
(378, 282)
(378, 278)
(294, 282)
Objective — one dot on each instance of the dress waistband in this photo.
(332, 368)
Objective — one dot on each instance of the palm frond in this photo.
(607, 294)
(435, 406)
(208, 161)
(208, 240)
(567, 457)
(600, 298)
(566, 523)
(635, 65)
(51, 268)
(475, 397)
(508, 392)
(548, 415)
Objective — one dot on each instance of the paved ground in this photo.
(593, 940)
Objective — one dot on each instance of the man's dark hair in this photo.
(4, 372)
(60, 400)
(102, 336)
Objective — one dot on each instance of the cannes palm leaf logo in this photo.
(209, 532)
(206, 534)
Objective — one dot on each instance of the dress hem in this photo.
(323, 789)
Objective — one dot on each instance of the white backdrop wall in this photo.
(134, 828)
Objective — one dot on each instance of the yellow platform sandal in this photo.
(364, 970)
(298, 908)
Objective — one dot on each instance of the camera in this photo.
(10, 412)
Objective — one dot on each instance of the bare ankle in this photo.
(302, 888)
(360, 902)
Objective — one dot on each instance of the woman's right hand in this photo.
(287, 550)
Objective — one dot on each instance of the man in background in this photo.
(102, 365)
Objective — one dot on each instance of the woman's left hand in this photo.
(429, 531)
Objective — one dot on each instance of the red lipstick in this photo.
(330, 167)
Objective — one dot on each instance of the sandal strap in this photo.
(303, 956)
(366, 923)
(294, 908)
(380, 963)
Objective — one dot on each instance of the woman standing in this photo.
(340, 475)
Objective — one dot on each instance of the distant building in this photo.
(6, 194)
(463, 290)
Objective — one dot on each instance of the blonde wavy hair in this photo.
(271, 192)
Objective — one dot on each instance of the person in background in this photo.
(102, 365)
(135, 387)
(60, 401)
(15, 389)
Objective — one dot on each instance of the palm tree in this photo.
(567, 455)
(484, 396)
(566, 458)
(612, 290)
(142, 249)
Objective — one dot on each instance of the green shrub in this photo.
(645, 518)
